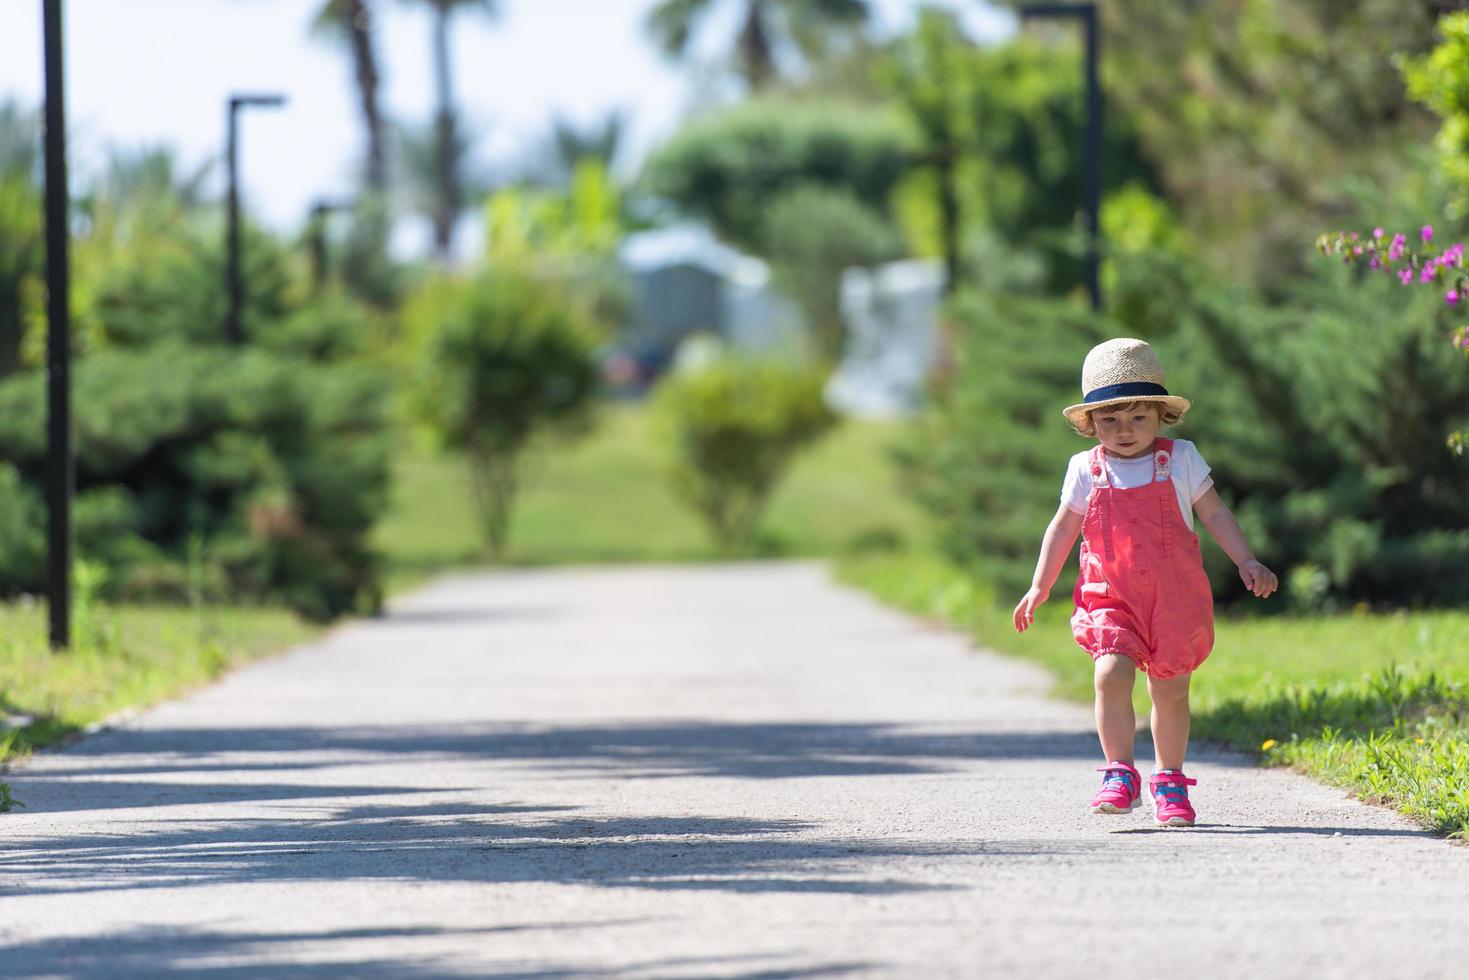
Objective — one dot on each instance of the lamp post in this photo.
(1092, 147)
(233, 330)
(319, 211)
(60, 464)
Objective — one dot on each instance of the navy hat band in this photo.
(1130, 389)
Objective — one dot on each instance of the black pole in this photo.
(1093, 157)
(60, 467)
(234, 330)
(316, 237)
(318, 246)
(1092, 140)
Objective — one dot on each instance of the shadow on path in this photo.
(196, 952)
(628, 750)
(1240, 829)
(463, 843)
(364, 831)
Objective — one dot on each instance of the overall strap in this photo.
(1097, 464)
(1163, 473)
(1162, 460)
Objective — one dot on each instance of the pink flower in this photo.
(1376, 263)
(1428, 274)
(1426, 234)
(1357, 250)
(1406, 276)
(1451, 297)
(1377, 232)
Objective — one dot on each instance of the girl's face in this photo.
(1127, 430)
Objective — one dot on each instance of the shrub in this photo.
(265, 456)
(1326, 417)
(735, 427)
(499, 361)
(988, 459)
(1323, 414)
(726, 168)
(812, 234)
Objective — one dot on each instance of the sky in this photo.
(147, 72)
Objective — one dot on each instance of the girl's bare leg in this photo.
(1170, 719)
(1116, 723)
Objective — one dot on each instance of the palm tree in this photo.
(598, 141)
(139, 176)
(20, 142)
(351, 21)
(448, 143)
(808, 25)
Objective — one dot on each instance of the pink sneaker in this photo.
(1171, 807)
(1121, 789)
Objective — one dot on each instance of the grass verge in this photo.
(124, 657)
(1375, 703)
(605, 499)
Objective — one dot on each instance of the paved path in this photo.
(741, 771)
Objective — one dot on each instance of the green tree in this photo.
(148, 176)
(735, 427)
(932, 76)
(812, 235)
(1260, 114)
(1440, 81)
(22, 243)
(808, 26)
(1000, 149)
(727, 168)
(351, 22)
(366, 267)
(499, 363)
(569, 145)
(449, 145)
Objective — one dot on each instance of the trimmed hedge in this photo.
(277, 463)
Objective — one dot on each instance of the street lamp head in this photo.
(325, 205)
(1058, 10)
(264, 100)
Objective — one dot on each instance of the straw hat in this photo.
(1119, 372)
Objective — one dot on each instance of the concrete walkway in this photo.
(739, 771)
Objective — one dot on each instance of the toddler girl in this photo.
(1142, 599)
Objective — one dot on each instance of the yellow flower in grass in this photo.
(1418, 740)
(1267, 745)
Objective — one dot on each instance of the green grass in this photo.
(124, 657)
(1377, 703)
(605, 499)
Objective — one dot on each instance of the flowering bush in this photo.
(1421, 265)
(1395, 256)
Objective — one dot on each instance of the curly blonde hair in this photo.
(1086, 427)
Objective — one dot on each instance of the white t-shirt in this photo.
(1190, 475)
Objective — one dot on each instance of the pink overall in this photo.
(1142, 591)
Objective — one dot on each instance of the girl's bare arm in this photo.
(1219, 519)
(1056, 546)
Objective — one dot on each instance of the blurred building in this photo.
(687, 283)
(693, 293)
(891, 313)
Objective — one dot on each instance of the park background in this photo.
(444, 368)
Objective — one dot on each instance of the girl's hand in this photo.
(1257, 578)
(1025, 612)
